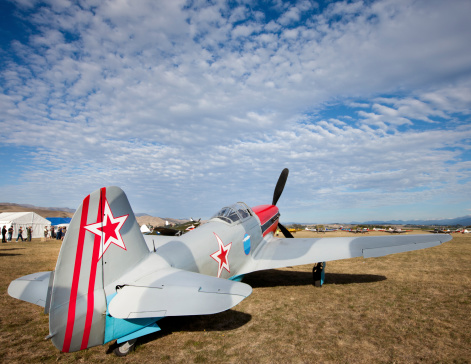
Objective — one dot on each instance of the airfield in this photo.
(408, 308)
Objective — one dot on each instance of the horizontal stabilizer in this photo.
(31, 288)
(173, 292)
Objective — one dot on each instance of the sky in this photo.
(189, 106)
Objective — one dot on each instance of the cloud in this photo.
(175, 100)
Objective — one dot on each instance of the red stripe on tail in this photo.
(75, 280)
(93, 268)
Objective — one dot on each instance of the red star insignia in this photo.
(108, 230)
(221, 256)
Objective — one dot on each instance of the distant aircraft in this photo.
(176, 230)
(113, 283)
(396, 231)
(440, 231)
(359, 230)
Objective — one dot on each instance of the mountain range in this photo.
(66, 212)
(156, 221)
(42, 211)
(464, 221)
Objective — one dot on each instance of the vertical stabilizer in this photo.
(102, 243)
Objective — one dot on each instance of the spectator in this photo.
(29, 232)
(4, 233)
(59, 233)
(10, 233)
(20, 234)
(46, 232)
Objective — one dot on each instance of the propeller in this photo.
(280, 185)
(285, 231)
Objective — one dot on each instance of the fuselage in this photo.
(222, 246)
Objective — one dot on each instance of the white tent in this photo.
(145, 229)
(24, 219)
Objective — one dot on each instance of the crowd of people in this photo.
(52, 232)
(9, 231)
(49, 233)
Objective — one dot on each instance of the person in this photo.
(20, 234)
(64, 230)
(59, 233)
(4, 233)
(52, 232)
(10, 233)
(46, 232)
(29, 232)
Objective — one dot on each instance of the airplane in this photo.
(440, 231)
(113, 283)
(396, 231)
(176, 230)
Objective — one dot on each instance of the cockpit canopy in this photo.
(236, 212)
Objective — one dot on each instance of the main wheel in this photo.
(317, 274)
(125, 348)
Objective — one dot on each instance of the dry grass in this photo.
(406, 308)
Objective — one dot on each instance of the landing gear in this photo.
(125, 348)
(318, 274)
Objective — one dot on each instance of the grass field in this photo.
(405, 308)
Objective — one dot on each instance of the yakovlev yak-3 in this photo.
(113, 283)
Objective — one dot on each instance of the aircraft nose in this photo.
(268, 216)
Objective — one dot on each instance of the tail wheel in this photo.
(125, 348)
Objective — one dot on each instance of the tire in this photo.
(317, 274)
(125, 348)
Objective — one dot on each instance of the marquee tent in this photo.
(144, 229)
(59, 220)
(24, 219)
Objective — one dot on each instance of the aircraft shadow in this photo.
(277, 278)
(224, 321)
(232, 319)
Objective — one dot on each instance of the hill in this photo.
(463, 220)
(157, 221)
(66, 212)
(42, 211)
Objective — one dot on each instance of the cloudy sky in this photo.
(192, 105)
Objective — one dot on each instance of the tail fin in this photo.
(102, 243)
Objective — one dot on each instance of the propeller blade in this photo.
(280, 185)
(285, 231)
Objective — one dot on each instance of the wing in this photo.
(174, 292)
(279, 253)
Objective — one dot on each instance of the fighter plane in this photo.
(178, 229)
(113, 283)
